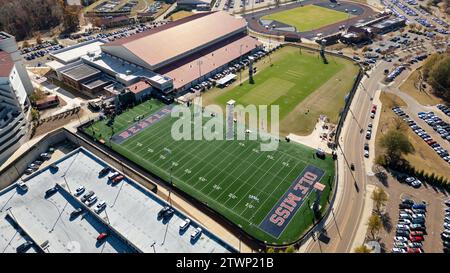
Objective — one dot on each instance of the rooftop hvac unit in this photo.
(128, 72)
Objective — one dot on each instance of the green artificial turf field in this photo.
(308, 18)
(299, 82)
(234, 178)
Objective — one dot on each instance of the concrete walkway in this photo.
(314, 139)
(367, 212)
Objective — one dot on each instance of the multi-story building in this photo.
(15, 86)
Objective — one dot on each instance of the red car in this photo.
(415, 238)
(374, 108)
(117, 179)
(102, 236)
(416, 233)
(431, 142)
(414, 250)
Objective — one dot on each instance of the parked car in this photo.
(185, 224)
(163, 211)
(104, 171)
(76, 212)
(87, 196)
(102, 236)
(197, 233)
(51, 191)
(398, 250)
(416, 238)
(24, 247)
(79, 190)
(117, 179)
(91, 200)
(22, 186)
(100, 207)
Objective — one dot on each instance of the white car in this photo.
(91, 200)
(409, 180)
(185, 224)
(366, 154)
(404, 222)
(112, 175)
(22, 186)
(416, 183)
(401, 226)
(400, 244)
(79, 191)
(446, 225)
(196, 234)
(398, 250)
(404, 216)
(400, 239)
(100, 206)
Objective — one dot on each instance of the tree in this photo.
(380, 198)
(374, 225)
(270, 250)
(34, 114)
(438, 77)
(362, 249)
(37, 95)
(395, 143)
(290, 249)
(277, 3)
(39, 39)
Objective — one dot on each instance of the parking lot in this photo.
(234, 67)
(130, 217)
(431, 128)
(435, 209)
(48, 221)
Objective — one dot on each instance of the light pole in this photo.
(240, 59)
(199, 63)
(153, 245)
(169, 152)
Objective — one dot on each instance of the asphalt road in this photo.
(343, 227)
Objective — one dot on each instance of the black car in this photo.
(408, 201)
(169, 213)
(404, 206)
(76, 212)
(24, 247)
(418, 228)
(54, 168)
(51, 191)
(104, 171)
(402, 233)
(87, 196)
(163, 211)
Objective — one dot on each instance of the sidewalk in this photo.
(367, 211)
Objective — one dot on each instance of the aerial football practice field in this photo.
(268, 194)
(308, 18)
(299, 82)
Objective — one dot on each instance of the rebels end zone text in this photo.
(282, 213)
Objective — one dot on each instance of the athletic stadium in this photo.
(171, 58)
(270, 197)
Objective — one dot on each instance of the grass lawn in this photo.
(309, 17)
(235, 178)
(410, 87)
(423, 157)
(300, 83)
